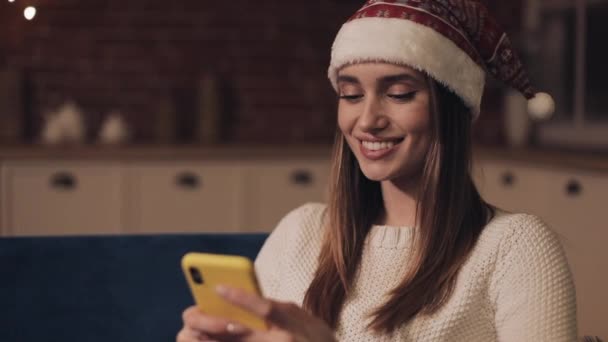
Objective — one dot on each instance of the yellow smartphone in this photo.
(205, 271)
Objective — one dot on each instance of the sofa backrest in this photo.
(102, 288)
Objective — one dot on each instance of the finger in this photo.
(288, 316)
(229, 337)
(271, 335)
(190, 335)
(284, 315)
(248, 301)
(196, 320)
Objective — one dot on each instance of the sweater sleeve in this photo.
(280, 244)
(532, 288)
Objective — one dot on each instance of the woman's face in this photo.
(384, 114)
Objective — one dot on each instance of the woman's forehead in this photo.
(374, 70)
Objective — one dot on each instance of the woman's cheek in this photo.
(344, 122)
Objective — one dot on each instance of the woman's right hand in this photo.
(287, 322)
(200, 327)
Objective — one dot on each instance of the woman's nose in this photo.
(372, 117)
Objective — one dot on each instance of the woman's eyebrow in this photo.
(384, 80)
(398, 78)
(348, 79)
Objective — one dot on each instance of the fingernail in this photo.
(235, 328)
(221, 289)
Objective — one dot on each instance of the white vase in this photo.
(114, 130)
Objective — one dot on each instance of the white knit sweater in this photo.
(515, 286)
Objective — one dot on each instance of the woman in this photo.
(406, 249)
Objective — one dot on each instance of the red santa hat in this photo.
(456, 42)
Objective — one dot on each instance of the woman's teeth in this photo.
(375, 146)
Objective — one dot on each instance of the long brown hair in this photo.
(450, 216)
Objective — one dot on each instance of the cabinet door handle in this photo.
(64, 181)
(302, 178)
(507, 179)
(574, 188)
(188, 180)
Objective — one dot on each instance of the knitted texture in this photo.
(515, 286)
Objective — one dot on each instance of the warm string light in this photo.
(29, 12)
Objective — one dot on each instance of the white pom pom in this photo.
(541, 106)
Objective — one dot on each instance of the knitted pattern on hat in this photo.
(454, 41)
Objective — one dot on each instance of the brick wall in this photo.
(269, 57)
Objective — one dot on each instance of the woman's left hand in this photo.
(288, 322)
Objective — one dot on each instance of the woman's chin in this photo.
(377, 175)
(381, 173)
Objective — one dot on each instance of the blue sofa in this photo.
(101, 288)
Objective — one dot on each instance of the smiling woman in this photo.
(384, 115)
(406, 249)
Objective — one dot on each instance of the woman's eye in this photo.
(350, 97)
(403, 96)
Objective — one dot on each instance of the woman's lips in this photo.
(378, 150)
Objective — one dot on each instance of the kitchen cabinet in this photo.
(48, 198)
(273, 188)
(572, 202)
(165, 197)
(156, 196)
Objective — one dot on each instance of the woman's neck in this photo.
(399, 203)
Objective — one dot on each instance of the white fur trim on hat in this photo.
(405, 42)
(541, 106)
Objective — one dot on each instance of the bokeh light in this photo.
(29, 13)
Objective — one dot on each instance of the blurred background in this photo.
(206, 72)
(148, 116)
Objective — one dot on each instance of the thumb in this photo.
(288, 316)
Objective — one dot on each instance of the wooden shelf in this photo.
(548, 158)
(592, 161)
(164, 152)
